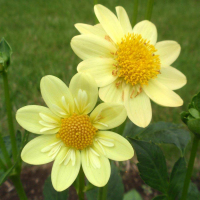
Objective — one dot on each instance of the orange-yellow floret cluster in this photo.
(137, 62)
(77, 131)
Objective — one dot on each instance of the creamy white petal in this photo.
(108, 115)
(147, 30)
(124, 19)
(168, 51)
(161, 94)
(32, 152)
(112, 92)
(172, 78)
(97, 176)
(84, 82)
(89, 46)
(102, 69)
(62, 175)
(109, 22)
(88, 29)
(53, 90)
(29, 118)
(120, 151)
(138, 108)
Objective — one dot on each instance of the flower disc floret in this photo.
(137, 60)
(77, 131)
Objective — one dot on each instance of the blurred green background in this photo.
(40, 33)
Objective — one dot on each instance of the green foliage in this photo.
(5, 53)
(51, 194)
(152, 165)
(160, 197)
(132, 195)
(115, 187)
(160, 132)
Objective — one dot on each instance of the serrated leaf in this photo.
(177, 178)
(51, 194)
(132, 195)
(115, 187)
(152, 165)
(167, 133)
(160, 197)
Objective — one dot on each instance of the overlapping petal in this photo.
(109, 22)
(32, 152)
(89, 46)
(57, 95)
(97, 176)
(138, 107)
(85, 92)
(121, 149)
(100, 68)
(161, 94)
(62, 175)
(29, 118)
(108, 115)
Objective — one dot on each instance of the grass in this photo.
(40, 33)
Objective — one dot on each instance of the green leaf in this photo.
(51, 194)
(194, 112)
(115, 187)
(167, 133)
(194, 126)
(193, 193)
(160, 197)
(177, 178)
(132, 195)
(152, 165)
(196, 101)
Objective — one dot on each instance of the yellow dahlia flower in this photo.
(128, 64)
(69, 136)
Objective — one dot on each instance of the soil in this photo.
(33, 179)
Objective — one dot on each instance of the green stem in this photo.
(19, 187)
(135, 12)
(5, 152)
(2, 165)
(190, 168)
(9, 115)
(81, 185)
(102, 195)
(149, 10)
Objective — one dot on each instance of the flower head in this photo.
(128, 64)
(69, 136)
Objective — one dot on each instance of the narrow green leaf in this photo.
(177, 178)
(160, 197)
(115, 187)
(152, 165)
(132, 195)
(51, 194)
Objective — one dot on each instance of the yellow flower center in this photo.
(136, 60)
(77, 131)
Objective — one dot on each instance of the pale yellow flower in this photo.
(69, 136)
(128, 64)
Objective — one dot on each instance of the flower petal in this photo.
(124, 19)
(168, 51)
(147, 30)
(108, 115)
(32, 153)
(138, 108)
(161, 94)
(84, 82)
(89, 46)
(172, 78)
(100, 68)
(62, 175)
(120, 151)
(29, 118)
(53, 91)
(109, 22)
(97, 176)
(112, 93)
(88, 29)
